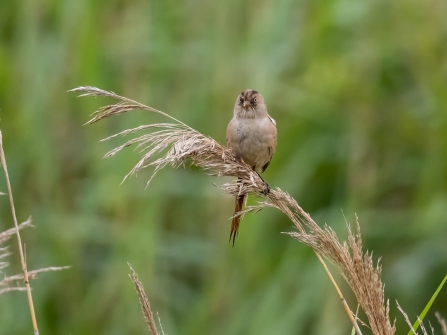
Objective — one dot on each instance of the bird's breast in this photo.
(249, 140)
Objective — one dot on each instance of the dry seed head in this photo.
(186, 144)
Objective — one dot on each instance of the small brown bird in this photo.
(252, 136)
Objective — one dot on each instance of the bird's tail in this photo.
(239, 202)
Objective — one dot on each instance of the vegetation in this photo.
(358, 93)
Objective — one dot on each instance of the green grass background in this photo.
(359, 92)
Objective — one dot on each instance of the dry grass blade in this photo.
(185, 144)
(431, 328)
(144, 302)
(3, 254)
(407, 320)
(442, 322)
(356, 267)
(22, 255)
(424, 331)
(10, 289)
(125, 104)
(159, 322)
(31, 274)
(6, 235)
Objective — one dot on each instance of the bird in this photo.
(252, 137)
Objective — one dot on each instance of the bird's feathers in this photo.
(252, 136)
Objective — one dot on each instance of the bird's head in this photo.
(250, 104)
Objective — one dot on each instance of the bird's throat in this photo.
(246, 114)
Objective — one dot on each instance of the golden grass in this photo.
(6, 235)
(443, 322)
(178, 144)
(6, 282)
(144, 302)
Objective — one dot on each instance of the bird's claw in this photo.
(267, 189)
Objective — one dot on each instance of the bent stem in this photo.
(300, 228)
(178, 144)
(343, 300)
(22, 256)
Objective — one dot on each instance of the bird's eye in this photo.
(253, 100)
(241, 100)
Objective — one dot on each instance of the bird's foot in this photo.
(266, 189)
(266, 186)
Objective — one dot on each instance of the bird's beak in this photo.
(246, 104)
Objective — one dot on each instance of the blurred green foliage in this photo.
(358, 90)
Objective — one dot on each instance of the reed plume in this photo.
(186, 145)
(144, 302)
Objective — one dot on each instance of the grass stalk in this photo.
(340, 294)
(178, 144)
(144, 302)
(19, 241)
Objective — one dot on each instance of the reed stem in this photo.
(22, 255)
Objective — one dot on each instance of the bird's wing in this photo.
(231, 132)
(272, 132)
